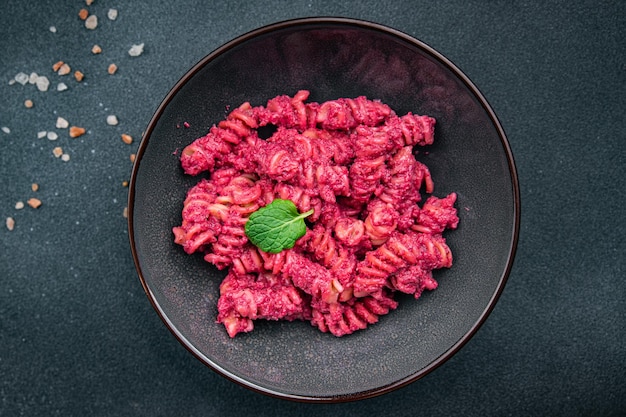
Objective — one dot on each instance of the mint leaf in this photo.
(276, 226)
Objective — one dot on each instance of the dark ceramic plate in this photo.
(331, 57)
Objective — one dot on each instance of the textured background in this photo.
(78, 335)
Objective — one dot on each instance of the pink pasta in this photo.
(370, 236)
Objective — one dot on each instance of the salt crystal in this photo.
(112, 120)
(10, 223)
(12, 81)
(19, 205)
(21, 78)
(61, 87)
(42, 134)
(32, 79)
(136, 50)
(112, 14)
(43, 83)
(65, 157)
(62, 123)
(91, 22)
(6, 130)
(52, 136)
(53, 29)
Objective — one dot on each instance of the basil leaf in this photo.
(276, 226)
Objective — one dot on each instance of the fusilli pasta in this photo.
(352, 162)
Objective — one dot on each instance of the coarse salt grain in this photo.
(112, 69)
(28, 104)
(57, 152)
(62, 123)
(52, 135)
(34, 202)
(88, 2)
(112, 120)
(53, 29)
(136, 50)
(83, 14)
(32, 78)
(79, 76)
(65, 157)
(76, 131)
(34, 186)
(42, 134)
(21, 78)
(57, 65)
(91, 22)
(64, 69)
(6, 130)
(127, 139)
(19, 205)
(112, 14)
(96, 49)
(61, 87)
(10, 223)
(42, 83)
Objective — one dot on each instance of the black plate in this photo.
(331, 57)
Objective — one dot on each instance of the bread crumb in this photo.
(34, 186)
(79, 76)
(127, 139)
(10, 223)
(83, 13)
(19, 205)
(96, 49)
(28, 104)
(62, 123)
(76, 131)
(34, 202)
(112, 69)
(57, 152)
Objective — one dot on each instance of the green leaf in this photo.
(276, 226)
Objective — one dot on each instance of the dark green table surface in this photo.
(78, 336)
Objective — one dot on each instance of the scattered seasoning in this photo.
(32, 78)
(19, 205)
(42, 83)
(6, 130)
(112, 14)
(57, 152)
(52, 135)
(96, 49)
(79, 76)
(125, 212)
(65, 157)
(88, 2)
(42, 134)
(34, 186)
(112, 120)
(91, 22)
(76, 131)
(124, 183)
(83, 13)
(34, 202)
(61, 87)
(57, 65)
(62, 123)
(112, 69)
(186, 125)
(21, 78)
(28, 104)
(132, 157)
(136, 50)
(127, 139)
(10, 223)
(64, 69)
(53, 29)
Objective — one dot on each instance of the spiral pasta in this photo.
(351, 161)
